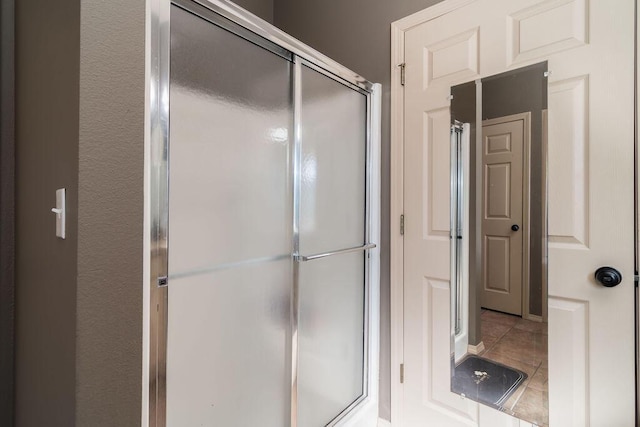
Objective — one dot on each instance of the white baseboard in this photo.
(383, 423)
(532, 317)
(476, 349)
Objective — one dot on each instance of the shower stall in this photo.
(460, 182)
(264, 226)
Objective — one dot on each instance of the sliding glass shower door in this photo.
(266, 296)
(332, 238)
(230, 215)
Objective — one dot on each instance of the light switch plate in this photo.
(61, 212)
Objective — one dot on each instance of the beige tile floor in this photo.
(520, 344)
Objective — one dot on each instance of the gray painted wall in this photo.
(261, 8)
(47, 71)
(357, 33)
(79, 125)
(110, 215)
(7, 210)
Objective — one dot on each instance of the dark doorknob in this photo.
(515, 227)
(608, 276)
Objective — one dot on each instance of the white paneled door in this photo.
(589, 46)
(503, 191)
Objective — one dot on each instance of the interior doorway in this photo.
(505, 213)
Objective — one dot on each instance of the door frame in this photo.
(396, 264)
(398, 30)
(636, 204)
(526, 185)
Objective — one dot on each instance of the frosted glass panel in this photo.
(230, 221)
(227, 362)
(331, 337)
(230, 235)
(231, 113)
(332, 199)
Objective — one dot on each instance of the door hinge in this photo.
(402, 225)
(402, 373)
(402, 72)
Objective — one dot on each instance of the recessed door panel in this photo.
(497, 264)
(497, 191)
(498, 144)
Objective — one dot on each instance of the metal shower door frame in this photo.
(158, 201)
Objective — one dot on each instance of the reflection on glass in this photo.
(459, 244)
(228, 333)
(230, 230)
(332, 199)
(498, 243)
(331, 337)
(332, 217)
(232, 342)
(230, 120)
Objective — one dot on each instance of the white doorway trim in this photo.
(398, 29)
(637, 203)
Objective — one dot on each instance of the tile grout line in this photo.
(526, 385)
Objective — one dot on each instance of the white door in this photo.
(503, 142)
(590, 53)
